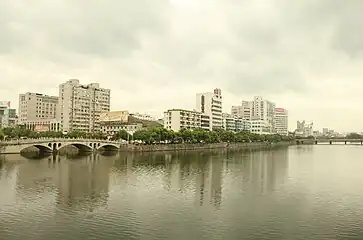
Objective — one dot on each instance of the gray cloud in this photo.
(264, 47)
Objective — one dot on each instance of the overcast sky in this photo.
(305, 55)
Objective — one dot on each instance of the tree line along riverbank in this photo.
(152, 135)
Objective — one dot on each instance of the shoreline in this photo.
(201, 146)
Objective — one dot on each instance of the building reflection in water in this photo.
(260, 171)
(80, 182)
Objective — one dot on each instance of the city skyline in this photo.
(156, 56)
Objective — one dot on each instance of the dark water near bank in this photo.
(301, 192)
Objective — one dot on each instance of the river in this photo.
(299, 192)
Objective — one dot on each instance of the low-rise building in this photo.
(112, 129)
(179, 119)
(234, 123)
(259, 126)
(114, 121)
(142, 116)
(43, 125)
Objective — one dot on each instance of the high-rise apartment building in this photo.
(36, 106)
(243, 111)
(210, 104)
(81, 105)
(265, 110)
(281, 121)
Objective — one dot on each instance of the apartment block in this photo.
(243, 111)
(36, 106)
(81, 105)
(210, 104)
(178, 119)
(259, 126)
(235, 124)
(281, 121)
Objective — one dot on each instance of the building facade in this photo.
(235, 124)
(8, 116)
(36, 106)
(112, 129)
(81, 106)
(210, 104)
(243, 111)
(43, 125)
(179, 119)
(259, 126)
(281, 121)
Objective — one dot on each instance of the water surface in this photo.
(300, 192)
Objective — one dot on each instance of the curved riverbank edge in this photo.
(201, 146)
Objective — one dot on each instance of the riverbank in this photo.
(201, 146)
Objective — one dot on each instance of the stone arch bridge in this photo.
(55, 144)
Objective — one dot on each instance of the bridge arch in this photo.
(40, 147)
(84, 147)
(107, 147)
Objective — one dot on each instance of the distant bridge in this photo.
(330, 141)
(55, 144)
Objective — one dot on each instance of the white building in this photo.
(243, 111)
(111, 130)
(81, 105)
(265, 111)
(210, 104)
(235, 124)
(36, 106)
(281, 121)
(178, 119)
(259, 126)
(8, 116)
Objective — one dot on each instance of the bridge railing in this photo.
(44, 140)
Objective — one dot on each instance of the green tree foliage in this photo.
(2, 135)
(161, 135)
(354, 136)
(21, 132)
(122, 134)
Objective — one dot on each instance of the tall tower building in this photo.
(281, 121)
(210, 104)
(81, 105)
(265, 111)
(37, 107)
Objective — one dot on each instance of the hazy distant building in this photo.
(281, 121)
(304, 129)
(210, 104)
(82, 105)
(8, 116)
(115, 121)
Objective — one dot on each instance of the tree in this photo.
(122, 134)
(354, 136)
(2, 135)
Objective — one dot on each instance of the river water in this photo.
(300, 192)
